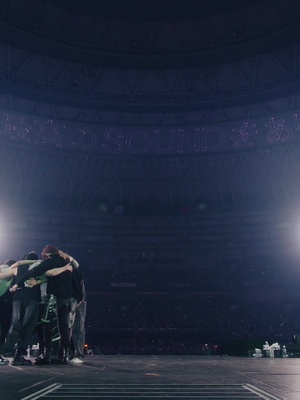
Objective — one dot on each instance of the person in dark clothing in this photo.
(59, 286)
(6, 277)
(7, 273)
(47, 328)
(25, 313)
(77, 318)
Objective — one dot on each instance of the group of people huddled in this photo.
(43, 297)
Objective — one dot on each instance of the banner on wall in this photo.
(223, 137)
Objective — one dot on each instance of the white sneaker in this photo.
(76, 360)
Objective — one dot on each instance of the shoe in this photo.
(43, 360)
(3, 361)
(76, 360)
(59, 361)
(19, 358)
(56, 361)
(64, 354)
(21, 361)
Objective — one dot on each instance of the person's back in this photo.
(25, 314)
(78, 318)
(58, 285)
(32, 293)
(5, 307)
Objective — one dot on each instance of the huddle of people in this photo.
(45, 297)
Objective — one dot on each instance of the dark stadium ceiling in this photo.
(151, 10)
(130, 34)
(149, 57)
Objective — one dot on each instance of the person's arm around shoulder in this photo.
(21, 262)
(37, 271)
(59, 270)
(12, 270)
(7, 274)
(69, 259)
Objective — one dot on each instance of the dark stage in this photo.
(156, 377)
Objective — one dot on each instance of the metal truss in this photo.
(82, 92)
(150, 119)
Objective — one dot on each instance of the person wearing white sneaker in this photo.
(3, 361)
(76, 360)
(77, 317)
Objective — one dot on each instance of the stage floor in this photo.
(156, 377)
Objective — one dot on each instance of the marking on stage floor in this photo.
(151, 391)
(41, 393)
(36, 384)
